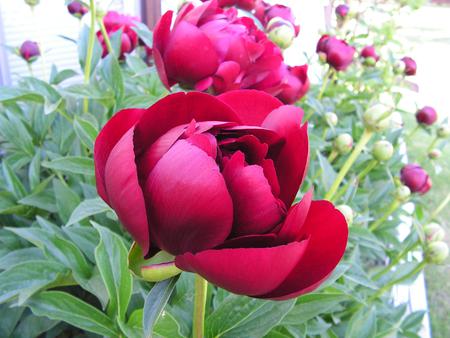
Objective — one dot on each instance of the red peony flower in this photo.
(209, 48)
(244, 4)
(415, 178)
(337, 53)
(410, 66)
(29, 51)
(211, 180)
(115, 21)
(427, 115)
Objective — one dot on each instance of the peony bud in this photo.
(427, 115)
(342, 11)
(369, 55)
(375, 118)
(416, 178)
(331, 119)
(434, 153)
(399, 67)
(343, 143)
(29, 51)
(77, 9)
(402, 193)
(347, 212)
(410, 66)
(436, 252)
(281, 32)
(443, 131)
(382, 150)
(433, 232)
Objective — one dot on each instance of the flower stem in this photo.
(326, 79)
(432, 144)
(90, 51)
(105, 36)
(372, 164)
(411, 134)
(332, 156)
(198, 323)
(394, 206)
(365, 138)
(440, 207)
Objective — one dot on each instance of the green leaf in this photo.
(413, 321)
(85, 131)
(143, 32)
(111, 258)
(113, 76)
(261, 321)
(88, 208)
(311, 305)
(66, 199)
(363, 324)
(27, 278)
(155, 302)
(14, 131)
(167, 326)
(10, 94)
(72, 164)
(59, 305)
(62, 250)
(86, 238)
(10, 317)
(230, 314)
(12, 181)
(44, 200)
(328, 173)
(20, 256)
(34, 170)
(58, 77)
(33, 326)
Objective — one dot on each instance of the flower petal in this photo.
(123, 190)
(327, 233)
(244, 271)
(177, 109)
(256, 210)
(111, 133)
(252, 106)
(187, 200)
(291, 161)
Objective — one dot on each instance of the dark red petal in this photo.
(161, 32)
(187, 200)
(160, 68)
(245, 271)
(176, 109)
(252, 106)
(292, 226)
(111, 133)
(327, 232)
(256, 210)
(186, 47)
(271, 175)
(205, 142)
(292, 160)
(123, 190)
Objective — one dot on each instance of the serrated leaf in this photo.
(62, 306)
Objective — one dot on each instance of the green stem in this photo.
(372, 164)
(105, 35)
(198, 323)
(30, 68)
(90, 51)
(394, 206)
(332, 156)
(440, 207)
(411, 134)
(432, 144)
(325, 83)
(365, 138)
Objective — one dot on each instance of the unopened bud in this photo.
(377, 118)
(433, 232)
(382, 150)
(347, 212)
(434, 153)
(402, 193)
(436, 252)
(29, 51)
(399, 67)
(281, 32)
(322, 57)
(331, 119)
(32, 3)
(443, 131)
(343, 143)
